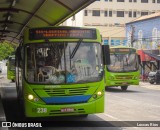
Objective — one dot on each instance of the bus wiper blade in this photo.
(75, 49)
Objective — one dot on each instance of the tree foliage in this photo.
(6, 49)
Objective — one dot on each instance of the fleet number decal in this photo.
(41, 110)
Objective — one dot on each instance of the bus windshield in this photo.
(123, 62)
(63, 62)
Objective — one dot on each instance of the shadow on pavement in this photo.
(118, 90)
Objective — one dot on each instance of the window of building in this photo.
(159, 35)
(120, 0)
(153, 1)
(158, 1)
(120, 13)
(85, 12)
(110, 0)
(135, 1)
(144, 13)
(154, 33)
(106, 0)
(154, 38)
(140, 34)
(144, 1)
(134, 14)
(110, 13)
(105, 13)
(95, 12)
(130, 0)
(130, 13)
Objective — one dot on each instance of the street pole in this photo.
(132, 35)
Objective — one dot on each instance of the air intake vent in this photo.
(66, 91)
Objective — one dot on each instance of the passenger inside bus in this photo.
(49, 60)
(40, 60)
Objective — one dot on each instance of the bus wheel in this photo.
(124, 88)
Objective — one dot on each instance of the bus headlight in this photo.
(99, 93)
(30, 97)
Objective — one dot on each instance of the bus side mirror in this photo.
(106, 54)
(6, 64)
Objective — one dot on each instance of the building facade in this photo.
(144, 34)
(110, 16)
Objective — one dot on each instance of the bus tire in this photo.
(124, 88)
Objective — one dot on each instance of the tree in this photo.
(6, 49)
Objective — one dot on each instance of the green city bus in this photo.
(11, 68)
(59, 71)
(124, 67)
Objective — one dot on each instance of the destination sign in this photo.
(64, 33)
(122, 50)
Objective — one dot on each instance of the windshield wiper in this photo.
(75, 49)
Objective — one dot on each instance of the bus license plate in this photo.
(67, 110)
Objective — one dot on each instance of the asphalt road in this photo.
(138, 103)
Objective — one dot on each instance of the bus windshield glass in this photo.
(123, 62)
(52, 63)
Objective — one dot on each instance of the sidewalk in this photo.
(149, 86)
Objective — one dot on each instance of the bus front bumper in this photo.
(113, 83)
(33, 109)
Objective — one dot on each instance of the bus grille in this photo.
(123, 77)
(66, 91)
